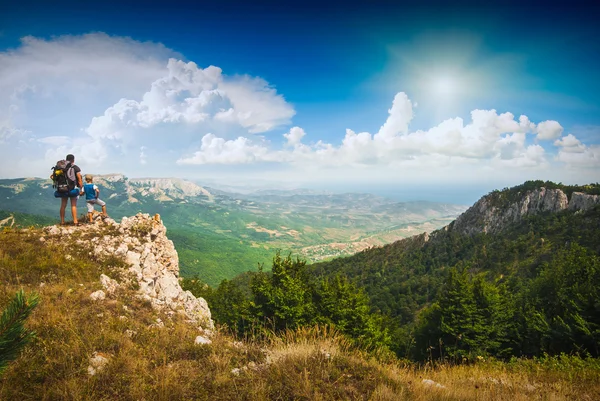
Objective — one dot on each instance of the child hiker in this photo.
(91, 196)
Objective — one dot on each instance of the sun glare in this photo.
(443, 86)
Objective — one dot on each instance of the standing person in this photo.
(76, 183)
(92, 194)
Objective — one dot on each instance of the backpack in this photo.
(63, 177)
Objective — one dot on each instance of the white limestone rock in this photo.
(431, 383)
(485, 216)
(122, 249)
(98, 295)
(152, 263)
(98, 362)
(581, 201)
(109, 284)
(201, 340)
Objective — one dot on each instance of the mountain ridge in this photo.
(520, 245)
(490, 214)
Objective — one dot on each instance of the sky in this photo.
(430, 100)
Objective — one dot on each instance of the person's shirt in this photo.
(90, 191)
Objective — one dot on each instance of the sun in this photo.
(443, 86)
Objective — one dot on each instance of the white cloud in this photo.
(590, 157)
(575, 154)
(117, 103)
(69, 68)
(532, 156)
(220, 151)
(400, 116)
(570, 144)
(257, 105)
(192, 95)
(143, 157)
(55, 140)
(490, 139)
(103, 98)
(196, 97)
(549, 130)
(50, 88)
(89, 58)
(294, 136)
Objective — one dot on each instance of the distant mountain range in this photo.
(219, 234)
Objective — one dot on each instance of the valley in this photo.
(219, 234)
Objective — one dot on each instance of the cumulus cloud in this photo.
(50, 88)
(549, 130)
(72, 67)
(108, 98)
(489, 139)
(38, 62)
(575, 154)
(202, 98)
(570, 144)
(220, 151)
(118, 104)
(189, 94)
(294, 136)
(400, 116)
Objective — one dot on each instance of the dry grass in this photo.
(151, 363)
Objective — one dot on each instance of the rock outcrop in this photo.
(491, 214)
(151, 260)
(581, 201)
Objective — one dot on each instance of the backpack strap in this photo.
(70, 172)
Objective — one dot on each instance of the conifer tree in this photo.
(343, 304)
(284, 297)
(13, 335)
(457, 314)
(567, 291)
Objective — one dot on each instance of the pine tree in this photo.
(457, 314)
(13, 335)
(285, 297)
(231, 306)
(490, 319)
(567, 291)
(346, 306)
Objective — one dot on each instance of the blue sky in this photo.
(325, 94)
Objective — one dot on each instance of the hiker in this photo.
(71, 176)
(92, 194)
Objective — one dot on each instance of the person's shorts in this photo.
(74, 193)
(92, 202)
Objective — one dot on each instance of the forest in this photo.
(530, 290)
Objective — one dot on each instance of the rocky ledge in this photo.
(151, 260)
(490, 216)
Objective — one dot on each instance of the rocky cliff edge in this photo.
(152, 264)
(492, 213)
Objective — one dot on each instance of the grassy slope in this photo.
(27, 220)
(164, 364)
